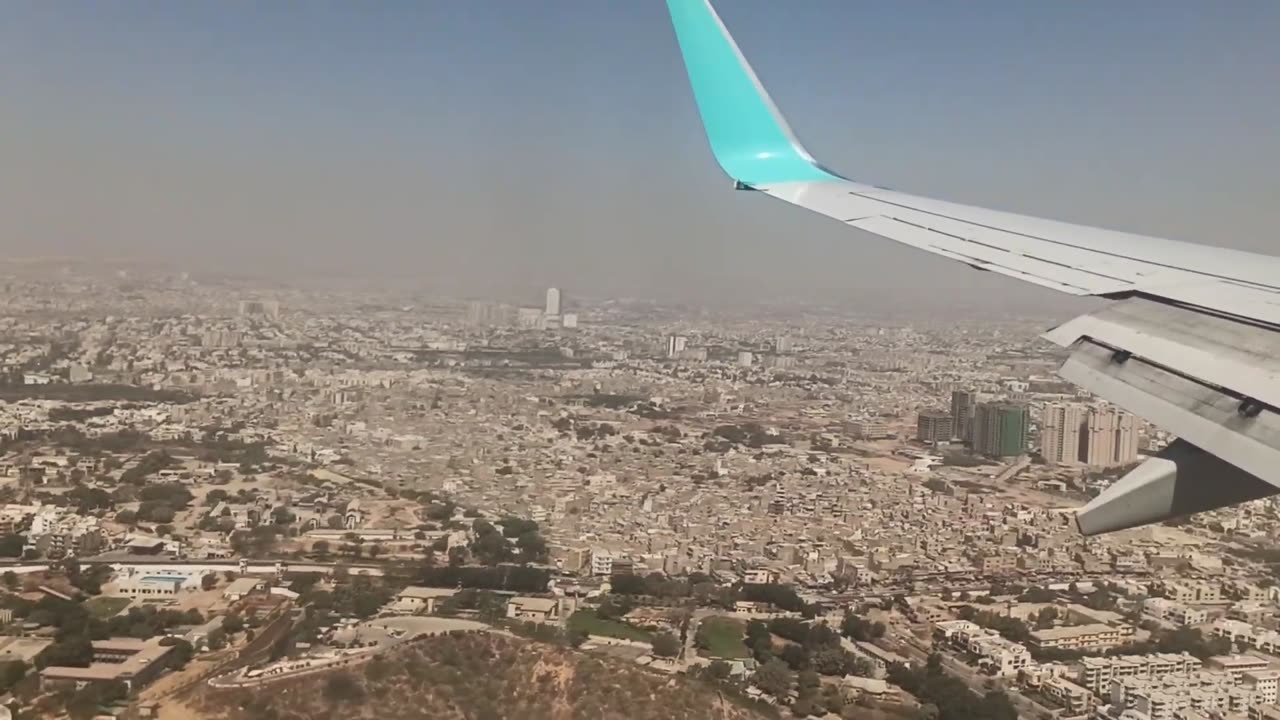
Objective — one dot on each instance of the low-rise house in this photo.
(416, 600)
(534, 609)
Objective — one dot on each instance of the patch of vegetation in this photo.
(91, 393)
(103, 607)
(482, 676)
(722, 637)
(591, 623)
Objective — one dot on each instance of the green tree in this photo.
(181, 654)
(775, 678)
(11, 545)
(666, 645)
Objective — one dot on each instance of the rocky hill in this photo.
(477, 676)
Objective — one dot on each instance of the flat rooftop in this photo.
(21, 648)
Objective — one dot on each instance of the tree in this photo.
(804, 706)
(666, 645)
(209, 581)
(320, 547)
(232, 623)
(71, 651)
(343, 687)
(216, 639)
(11, 580)
(181, 654)
(1045, 618)
(11, 545)
(797, 657)
(774, 678)
(532, 547)
(719, 670)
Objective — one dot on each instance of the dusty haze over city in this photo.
(416, 360)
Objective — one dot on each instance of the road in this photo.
(1011, 471)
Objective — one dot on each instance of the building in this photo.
(1094, 636)
(1110, 438)
(1265, 684)
(1096, 673)
(21, 649)
(1236, 666)
(1000, 429)
(675, 345)
(127, 660)
(1172, 611)
(1188, 592)
(868, 429)
(996, 655)
(241, 588)
(530, 318)
(783, 345)
(601, 562)
(220, 339)
(534, 609)
(997, 563)
(964, 405)
(881, 659)
(1073, 697)
(269, 309)
(745, 358)
(481, 312)
(1179, 696)
(1060, 433)
(416, 600)
(933, 427)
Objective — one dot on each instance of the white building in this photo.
(1174, 612)
(601, 562)
(1265, 683)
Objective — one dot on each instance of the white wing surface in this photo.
(1192, 342)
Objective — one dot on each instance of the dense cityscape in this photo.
(208, 488)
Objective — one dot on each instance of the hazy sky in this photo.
(475, 146)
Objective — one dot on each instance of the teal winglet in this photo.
(749, 137)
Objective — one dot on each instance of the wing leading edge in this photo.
(1192, 345)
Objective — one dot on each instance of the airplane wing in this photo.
(1192, 342)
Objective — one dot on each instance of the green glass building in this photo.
(1000, 429)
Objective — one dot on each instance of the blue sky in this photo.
(479, 146)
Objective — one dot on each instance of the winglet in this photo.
(749, 137)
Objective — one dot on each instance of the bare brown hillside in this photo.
(477, 677)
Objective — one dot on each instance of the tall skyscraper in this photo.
(782, 344)
(676, 345)
(1060, 437)
(1111, 438)
(1000, 429)
(933, 427)
(964, 404)
(553, 301)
